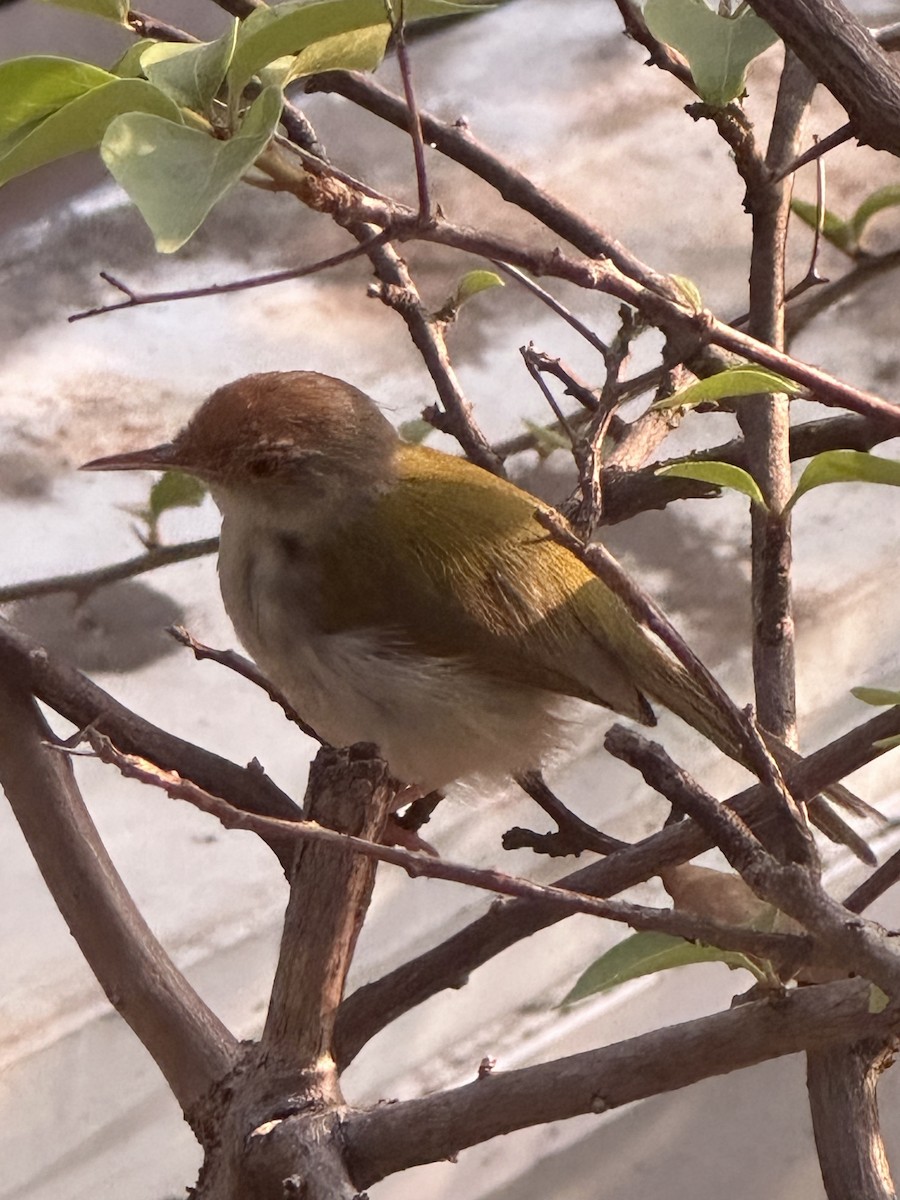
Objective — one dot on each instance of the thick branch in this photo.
(842, 1081)
(330, 892)
(187, 1041)
(82, 702)
(379, 1142)
(449, 964)
(844, 56)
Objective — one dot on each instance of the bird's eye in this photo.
(263, 465)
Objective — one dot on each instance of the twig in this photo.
(398, 24)
(351, 793)
(552, 303)
(876, 885)
(134, 299)
(82, 583)
(764, 945)
(248, 669)
(73, 696)
(575, 835)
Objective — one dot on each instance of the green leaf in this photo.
(645, 954)
(878, 697)
(32, 88)
(888, 743)
(415, 431)
(878, 1000)
(174, 490)
(845, 466)
(718, 48)
(886, 197)
(114, 10)
(474, 282)
(175, 175)
(81, 124)
(272, 32)
(719, 473)
(834, 229)
(191, 75)
(745, 380)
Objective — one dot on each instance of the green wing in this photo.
(452, 562)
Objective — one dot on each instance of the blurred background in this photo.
(554, 86)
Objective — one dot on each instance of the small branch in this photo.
(150, 27)
(876, 885)
(800, 314)
(398, 291)
(456, 142)
(597, 1081)
(574, 835)
(694, 328)
(661, 55)
(765, 420)
(763, 945)
(187, 1041)
(398, 23)
(73, 696)
(248, 670)
(554, 305)
(134, 299)
(82, 583)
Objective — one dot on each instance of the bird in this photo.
(399, 595)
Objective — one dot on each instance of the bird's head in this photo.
(277, 429)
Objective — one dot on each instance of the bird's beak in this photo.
(156, 458)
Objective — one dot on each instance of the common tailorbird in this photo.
(403, 596)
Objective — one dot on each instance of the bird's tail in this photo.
(670, 684)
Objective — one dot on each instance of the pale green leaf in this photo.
(834, 229)
(81, 124)
(846, 466)
(272, 32)
(886, 197)
(174, 489)
(175, 175)
(718, 48)
(888, 743)
(32, 88)
(689, 291)
(474, 282)
(191, 75)
(129, 65)
(415, 431)
(646, 954)
(114, 10)
(878, 1000)
(719, 473)
(745, 380)
(878, 697)
(358, 50)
